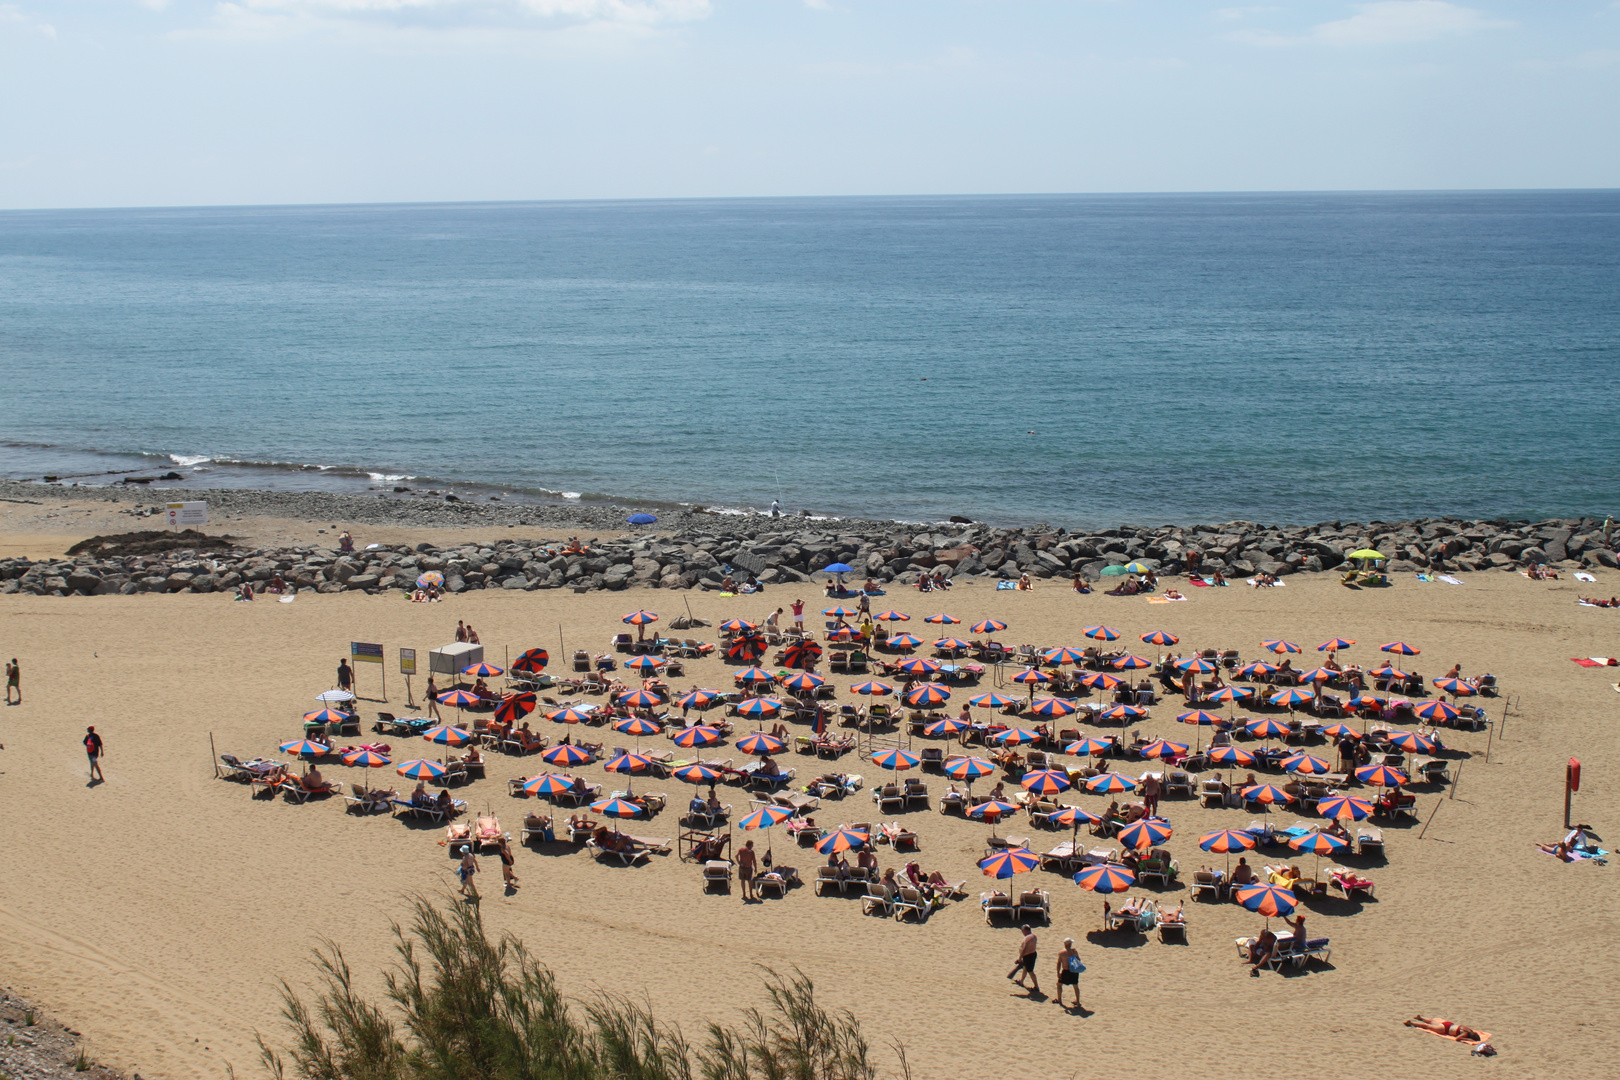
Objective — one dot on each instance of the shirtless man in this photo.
(747, 864)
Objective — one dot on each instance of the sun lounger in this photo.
(1140, 917)
(827, 878)
(916, 793)
(1349, 882)
(537, 826)
(404, 807)
(877, 900)
(997, 905)
(487, 831)
(888, 798)
(776, 880)
(1172, 926)
(716, 874)
(911, 902)
(1035, 905)
(618, 855)
(458, 832)
(1206, 882)
(1370, 842)
(1287, 952)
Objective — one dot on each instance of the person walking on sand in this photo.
(433, 699)
(469, 867)
(345, 676)
(13, 682)
(508, 863)
(798, 616)
(1025, 964)
(747, 861)
(1069, 968)
(94, 748)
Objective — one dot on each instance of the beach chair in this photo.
(1206, 882)
(916, 793)
(1297, 956)
(776, 881)
(1173, 926)
(911, 901)
(877, 900)
(953, 803)
(230, 767)
(1349, 882)
(1035, 905)
(1434, 771)
(933, 758)
(1370, 842)
(1211, 795)
(405, 808)
(295, 790)
(618, 855)
(888, 798)
(997, 906)
(537, 826)
(827, 877)
(1178, 783)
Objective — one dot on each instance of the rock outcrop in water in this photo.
(698, 550)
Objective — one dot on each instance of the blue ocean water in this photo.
(1077, 360)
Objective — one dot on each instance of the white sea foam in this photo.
(570, 495)
(189, 459)
(389, 477)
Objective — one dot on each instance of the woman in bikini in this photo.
(1449, 1028)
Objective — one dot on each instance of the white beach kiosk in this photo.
(450, 659)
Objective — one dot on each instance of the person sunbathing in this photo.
(1289, 872)
(1261, 951)
(313, 782)
(420, 796)
(1024, 584)
(528, 739)
(1219, 578)
(277, 585)
(1172, 594)
(580, 822)
(1243, 873)
(420, 596)
(1450, 1029)
(444, 802)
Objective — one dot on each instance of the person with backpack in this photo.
(1069, 968)
(94, 748)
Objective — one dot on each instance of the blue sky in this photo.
(166, 102)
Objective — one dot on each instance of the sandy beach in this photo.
(155, 912)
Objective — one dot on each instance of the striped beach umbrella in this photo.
(843, 633)
(699, 735)
(967, 768)
(738, 626)
(629, 764)
(446, 735)
(1144, 834)
(1131, 662)
(1267, 795)
(1105, 879)
(1335, 644)
(566, 754)
(482, 671)
(765, 817)
(1399, 648)
(1268, 900)
(1004, 864)
(927, 696)
(1110, 784)
(1015, 736)
(1164, 748)
(1456, 687)
(1073, 816)
(895, 760)
(759, 744)
(1229, 695)
(947, 727)
(801, 654)
(326, 716)
(746, 648)
(840, 612)
(1099, 680)
(459, 698)
(305, 748)
(758, 708)
(842, 840)
(942, 620)
(1435, 711)
(637, 726)
(872, 688)
(991, 701)
(697, 774)
(904, 641)
(1344, 808)
(646, 664)
(1045, 781)
(640, 618)
(1064, 655)
(1412, 742)
(532, 661)
(620, 808)
(1200, 717)
(1195, 664)
(992, 809)
(1101, 633)
(369, 759)
(1031, 677)
(1305, 764)
(548, 784)
(421, 770)
(1389, 671)
(641, 699)
(572, 714)
(1231, 755)
(1123, 712)
(752, 675)
(699, 699)
(802, 682)
(952, 644)
(988, 626)
(916, 665)
(1316, 675)
(1380, 776)
(1083, 747)
(1052, 707)
(1291, 698)
(1339, 731)
(894, 616)
(1279, 646)
(429, 579)
(1255, 668)
(1226, 841)
(1318, 843)
(515, 707)
(1159, 637)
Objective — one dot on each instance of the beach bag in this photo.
(1075, 966)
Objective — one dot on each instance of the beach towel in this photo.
(1006, 586)
(287, 599)
(1596, 661)
(1596, 855)
(1273, 585)
(1425, 577)
(1588, 603)
(1582, 575)
(1449, 580)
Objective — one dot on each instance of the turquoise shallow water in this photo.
(1079, 360)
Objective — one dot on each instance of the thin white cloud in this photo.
(15, 17)
(1384, 22)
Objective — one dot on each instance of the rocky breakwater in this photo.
(781, 553)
